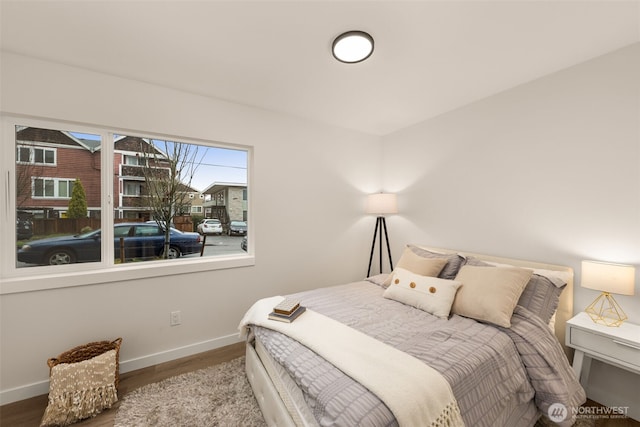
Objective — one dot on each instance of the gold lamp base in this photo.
(606, 311)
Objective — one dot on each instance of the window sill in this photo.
(120, 273)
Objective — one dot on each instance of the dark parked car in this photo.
(243, 244)
(24, 225)
(238, 228)
(140, 241)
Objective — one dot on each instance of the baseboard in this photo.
(36, 389)
(177, 353)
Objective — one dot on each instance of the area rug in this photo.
(216, 396)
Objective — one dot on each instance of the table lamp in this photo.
(381, 204)
(610, 279)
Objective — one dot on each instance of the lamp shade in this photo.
(606, 277)
(382, 203)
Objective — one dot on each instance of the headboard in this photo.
(565, 305)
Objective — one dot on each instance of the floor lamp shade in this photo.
(610, 279)
(380, 204)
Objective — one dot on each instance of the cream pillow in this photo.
(419, 265)
(429, 294)
(489, 294)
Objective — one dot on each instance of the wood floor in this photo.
(28, 413)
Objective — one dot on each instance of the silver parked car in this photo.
(238, 228)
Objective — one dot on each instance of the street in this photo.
(221, 245)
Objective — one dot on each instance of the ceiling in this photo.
(430, 57)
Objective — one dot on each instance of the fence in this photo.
(63, 225)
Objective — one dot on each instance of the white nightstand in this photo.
(617, 346)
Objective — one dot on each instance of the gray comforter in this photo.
(493, 372)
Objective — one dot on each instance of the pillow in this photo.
(418, 265)
(426, 293)
(489, 294)
(454, 261)
(541, 296)
(82, 389)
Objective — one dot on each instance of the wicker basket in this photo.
(88, 351)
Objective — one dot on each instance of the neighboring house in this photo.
(47, 164)
(49, 161)
(197, 203)
(131, 155)
(227, 201)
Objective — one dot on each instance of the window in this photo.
(110, 199)
(52, 188)
(148, 230)
(134, 160)
(132, 188)
(36, 155)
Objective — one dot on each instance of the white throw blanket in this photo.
(417, 394)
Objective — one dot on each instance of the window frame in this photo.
(56, 187)
(32, 155)
(139, 160)
(17, 280)
(127, 185)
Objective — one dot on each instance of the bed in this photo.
(504, 369)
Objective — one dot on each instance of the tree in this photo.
(78, 203)
(168, 169)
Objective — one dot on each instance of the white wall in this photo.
(547, 171)
(308, 193)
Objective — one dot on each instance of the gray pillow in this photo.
(450, 269)
(541, 297)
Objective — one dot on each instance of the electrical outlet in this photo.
(175, 319)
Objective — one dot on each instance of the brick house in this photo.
(131, 156)
(47, 164)
(49, 161)
(135, 159)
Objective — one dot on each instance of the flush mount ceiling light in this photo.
(352, 47)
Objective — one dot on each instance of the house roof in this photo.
(219, 186)
(136, 144)
(430, 56)
(50, 136)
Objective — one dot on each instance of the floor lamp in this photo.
(381, 204)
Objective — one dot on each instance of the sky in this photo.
(219, 165)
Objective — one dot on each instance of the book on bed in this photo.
(287, 317)
(287, 306)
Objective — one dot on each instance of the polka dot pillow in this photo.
(430, 294)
